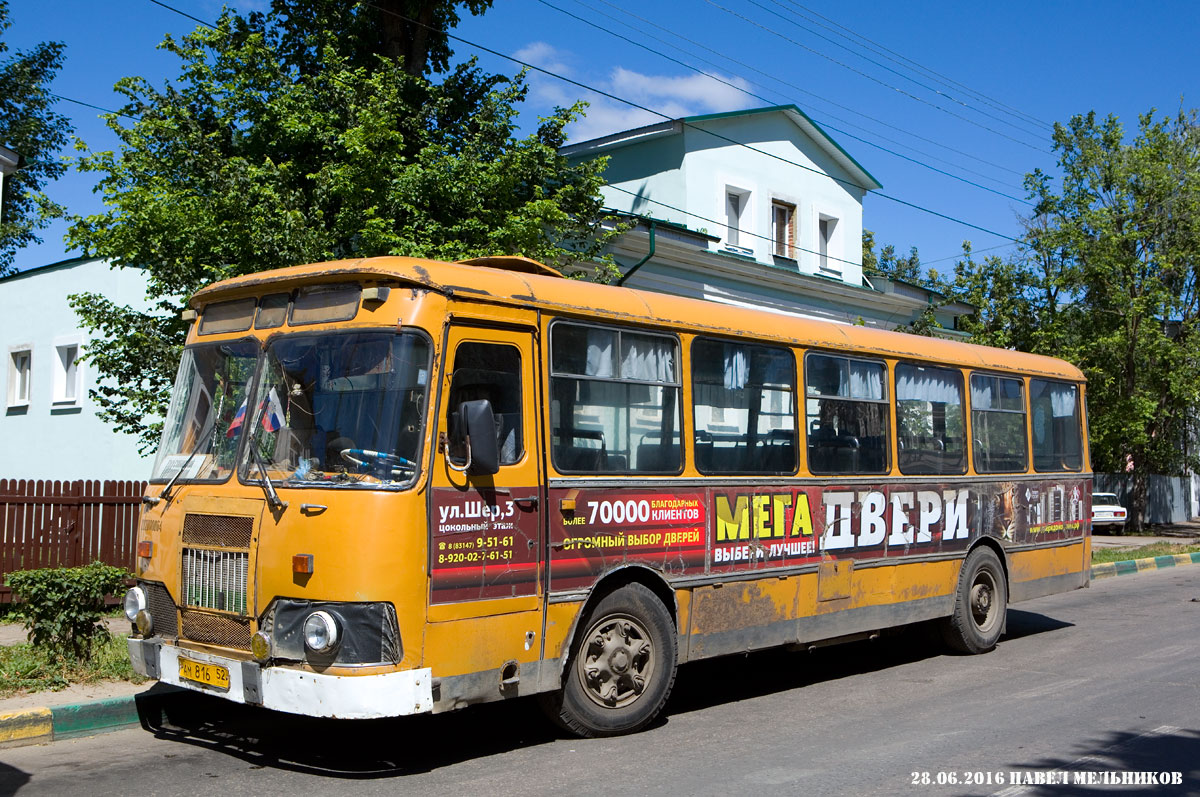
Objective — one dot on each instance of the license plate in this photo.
(208, 674)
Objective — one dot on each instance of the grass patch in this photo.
(1102, 555)
(24, 668)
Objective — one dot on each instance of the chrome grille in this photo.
(216, 629)
(219, 531)
(215, 579)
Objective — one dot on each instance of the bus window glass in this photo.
(742, 398)
(234, 316)
(339, 410)
(1054, 408)
(998, 424)
(930, 427)
(614, 401)
(493, 372)
(272, 310)
(846, 415)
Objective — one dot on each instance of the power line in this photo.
(884, 51)
(90, 105)
(899, 74)
(638, 106)
(769, 101)
(873, 78)
(802, 90)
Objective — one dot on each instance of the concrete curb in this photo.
(1129, 567)
(44, 725)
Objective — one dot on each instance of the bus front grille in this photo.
(216, 629)
(215, 579)
(162, 609)
(217, 531)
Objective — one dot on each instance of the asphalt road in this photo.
(1102, 680)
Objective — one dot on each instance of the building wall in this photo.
(52, 437)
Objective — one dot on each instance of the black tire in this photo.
(980, 606)
(622, 667)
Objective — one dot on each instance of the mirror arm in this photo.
(444, 445)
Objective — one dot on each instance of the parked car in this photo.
(1107, 513)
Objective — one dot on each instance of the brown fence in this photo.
(65, 524)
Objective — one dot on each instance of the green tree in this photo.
(905, 269)
(281, 144)
(29, 126)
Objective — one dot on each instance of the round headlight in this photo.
(260, 645)
(145, 623)
(135, 601)
(320, 632)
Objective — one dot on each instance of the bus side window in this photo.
(489, 371)
(998, 424)
(931, 428)
(846, 416)
(1057, 444)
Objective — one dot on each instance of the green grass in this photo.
(1102, 555)
(24, 668)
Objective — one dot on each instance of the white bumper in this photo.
(394, 694)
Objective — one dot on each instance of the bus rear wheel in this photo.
(980, 605)
(622, 669)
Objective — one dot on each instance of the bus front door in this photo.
(485, 599)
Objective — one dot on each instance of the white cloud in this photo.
(545, 56)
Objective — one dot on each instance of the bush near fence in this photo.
(67, 524)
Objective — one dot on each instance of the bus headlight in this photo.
(145, 623)
(260, 645)
(135, 601)
(321, 634)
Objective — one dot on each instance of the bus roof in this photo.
(473, 281)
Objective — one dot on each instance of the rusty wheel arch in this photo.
(610, 582)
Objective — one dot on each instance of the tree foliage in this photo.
(30, 127)
(1109, 278)
(283, 143)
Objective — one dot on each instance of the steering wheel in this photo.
(379, 460)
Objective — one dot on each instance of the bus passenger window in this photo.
(1054, 408)
(998, 424)
(614, 401)
(489, 371)
(846, 415)
(743, 406)
(930, 427)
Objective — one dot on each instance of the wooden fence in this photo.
(65, 524)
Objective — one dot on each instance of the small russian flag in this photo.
(237, 421)
(272, 419)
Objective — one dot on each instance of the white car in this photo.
(1107, 513)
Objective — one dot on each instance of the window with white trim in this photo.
(66, 374)
(826, 229)
(20, 370)
(783, 229)
(736, 203)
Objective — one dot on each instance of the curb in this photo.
(1130, 567)
(71, 721)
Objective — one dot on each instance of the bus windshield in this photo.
(200, 434)
(339, 410)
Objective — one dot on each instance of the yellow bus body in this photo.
(499, 642)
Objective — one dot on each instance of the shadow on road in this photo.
(392, 747)
(1148, 762)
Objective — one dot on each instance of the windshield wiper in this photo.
(165, 495)
(268, 488)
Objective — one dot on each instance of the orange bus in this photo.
(394, 486)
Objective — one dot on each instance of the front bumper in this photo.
(394, 694)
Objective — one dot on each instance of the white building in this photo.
(49, 426)
(757, 208)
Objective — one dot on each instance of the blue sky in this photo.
(966, 88)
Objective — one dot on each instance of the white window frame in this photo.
(734, 232)
(15, 397)
(67, 387)
(792, 240)
(829, 258)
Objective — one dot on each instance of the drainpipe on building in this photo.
(641, 262)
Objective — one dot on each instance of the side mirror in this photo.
(477, 423)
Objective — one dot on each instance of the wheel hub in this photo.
(617, 662)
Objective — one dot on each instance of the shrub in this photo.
(62, 606)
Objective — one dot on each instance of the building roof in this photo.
(596, 146)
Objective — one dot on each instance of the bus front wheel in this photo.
(623, 666)
(980, 605)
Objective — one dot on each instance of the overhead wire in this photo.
(872, 78)
(772, 102)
